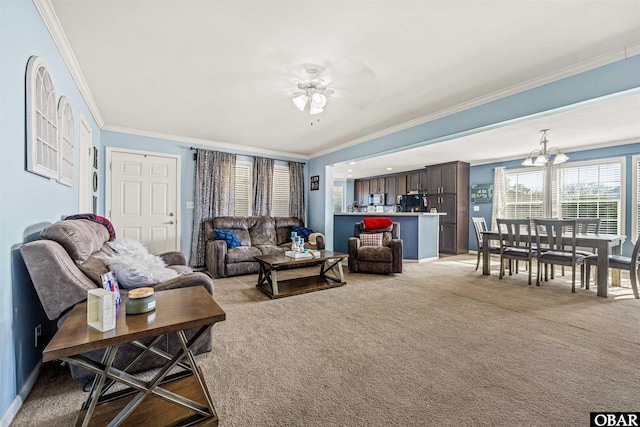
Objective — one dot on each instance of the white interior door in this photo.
(143, 192)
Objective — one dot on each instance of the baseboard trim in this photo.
(15, 406)
(421, 260)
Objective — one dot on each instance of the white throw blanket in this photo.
(135, 267)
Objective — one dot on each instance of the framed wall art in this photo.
(482, 193)
(315, 182)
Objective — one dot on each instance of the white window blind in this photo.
(281, 191)
(592, 191)
(243, 198)
(524, 194)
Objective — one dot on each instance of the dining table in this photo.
(605, 244)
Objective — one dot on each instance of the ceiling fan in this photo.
(314, 82)
(312, 92)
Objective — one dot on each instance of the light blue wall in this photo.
(28, 202)
(483, 174)
(610, 79)
(187, 167)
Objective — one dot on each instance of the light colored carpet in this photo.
(439, 345)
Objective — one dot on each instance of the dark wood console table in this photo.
(176, 399)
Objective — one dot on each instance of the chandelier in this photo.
(543, 155)
(313, 92)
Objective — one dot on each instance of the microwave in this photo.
(376, 199)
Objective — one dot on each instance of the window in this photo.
(338, 199)
(578, 190)
(244, 189)
(42, 121)
(525, 194)
(66, 151)
(243, 197)
(281, 191)
(592, 190)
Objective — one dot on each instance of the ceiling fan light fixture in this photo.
(300, 101)
(544, 154)
(318, 100)
(314, 94)
(560, 158)
(540, 161)
(315, 110)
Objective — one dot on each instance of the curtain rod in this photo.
(194, 156)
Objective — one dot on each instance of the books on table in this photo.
(309, 254)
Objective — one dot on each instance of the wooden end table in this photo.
(178, 399)
(330, 276)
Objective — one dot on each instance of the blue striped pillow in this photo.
(302, 232)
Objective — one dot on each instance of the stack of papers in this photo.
(299, 255)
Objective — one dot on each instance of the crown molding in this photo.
(48, 14)
(599, 61)
(243, 149)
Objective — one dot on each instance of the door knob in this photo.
(170, 222)
(170, 213)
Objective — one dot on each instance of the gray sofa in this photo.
(69, 261)
(260, 235)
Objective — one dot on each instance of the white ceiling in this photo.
(222, 72)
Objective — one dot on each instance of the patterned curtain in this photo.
(215, 182)
(296, 183)
(499, 195)
(262, 185)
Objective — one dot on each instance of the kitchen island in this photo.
(419, 232)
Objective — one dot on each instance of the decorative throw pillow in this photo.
(302, 232)
(371, 239)
(228, 236)
(375, 223)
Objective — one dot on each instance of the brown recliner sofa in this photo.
(69, 261)
(260, 235)
(386, 258)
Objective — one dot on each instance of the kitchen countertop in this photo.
(392, 213)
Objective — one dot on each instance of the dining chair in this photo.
(556, 245)
(480, 225)
(515, 243)
(630, 264)
(587, 226)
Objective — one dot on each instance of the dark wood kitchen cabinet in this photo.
(443, 179)
(392, 190)
(413, 181)
(361, 191)
(448, 190)
(401, 184)
(417, 181)
(376, 185)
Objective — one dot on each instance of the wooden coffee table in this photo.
(331, 274)
(178, 399)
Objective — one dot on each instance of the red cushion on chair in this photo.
(375, 223)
